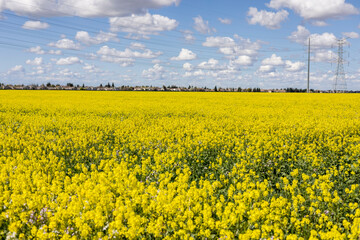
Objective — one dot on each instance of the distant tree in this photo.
(215, 89)
(113, 85)
(239, 89)
(69, 84)
(83, 85)
(48, 84)
(101, 85)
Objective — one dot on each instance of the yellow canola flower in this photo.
(128, 165)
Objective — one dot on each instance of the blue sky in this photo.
(226, 43)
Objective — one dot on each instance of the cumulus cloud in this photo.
(185, 54)
(16, 69)
(187, 66)
(202, 26)
(211, 64)
(124, 58)
(294, 66)
(35, 25)
(188, 35)
(225, 21)
(84, 8)
(269, 65)
(142, 25)
(266, 68)
(154, 73)
(128, 53)
(55, 52)
(91, 68)
(36, 50)
(102, 37)
(137, 45)
(352, 35)
(267, 19)
(219, 42)
(324, 56)
(243, 60)
(302, 36)
(65, 44)
(37, 61)
(68, 61)
(273, 60)
(316, 10)
(233, 48)
(212, 69)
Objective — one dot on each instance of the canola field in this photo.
(160, 165)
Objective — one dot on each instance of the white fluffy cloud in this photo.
(68, 61)
(188, 35)
(55, 52)
(316, 10)
(294, 66)
(266, 68)
(142, 25)
(35, 25)
(154, 73)
(231, 48)
(37, 61)
(202, 26)
(225, 21)
(243, 60)
(187, 66)
(273, 60)
(210, 64)
(352, 35)
(102, 37)
(269, 65)
(124, 58)
(302, 36)
(137, 45)
(128, 53)
(324, 56)
(16, 69)
(185, 54)
(219, 42)
(84, 8)
(211, 69)
(36, 50)
(267, 19)
(91, 68)
(65, 44)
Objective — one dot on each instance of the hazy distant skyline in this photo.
(225, 43)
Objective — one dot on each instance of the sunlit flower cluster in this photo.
(126, 165)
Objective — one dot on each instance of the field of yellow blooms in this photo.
(128, 165)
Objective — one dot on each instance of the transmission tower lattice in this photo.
(340, 80)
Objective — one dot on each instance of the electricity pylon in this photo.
(340, 80)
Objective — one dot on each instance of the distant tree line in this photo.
(111, 87)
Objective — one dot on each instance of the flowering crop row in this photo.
(113, 165)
